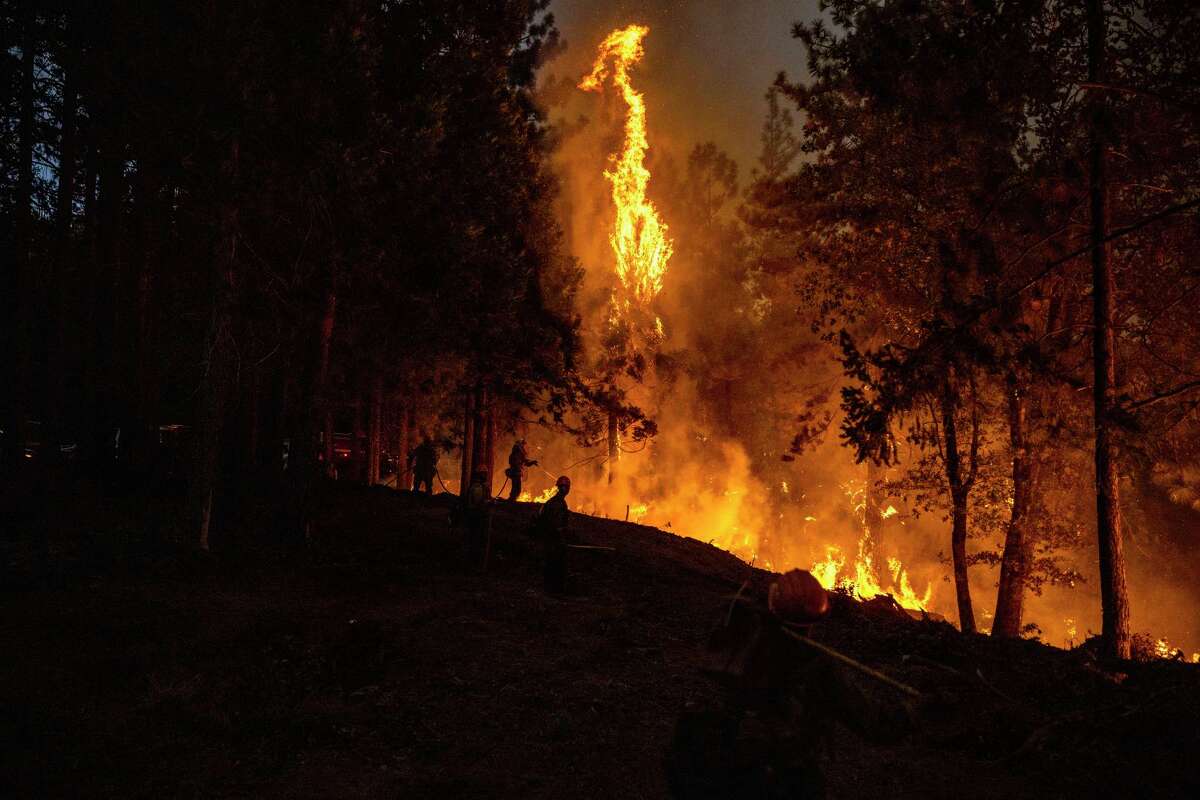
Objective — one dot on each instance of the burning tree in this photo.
(945, 192)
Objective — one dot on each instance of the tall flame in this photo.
(639, 238)
(865, 582)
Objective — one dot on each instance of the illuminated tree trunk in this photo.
(468, 447)
(1015, 561)
(485, 434)
(1115, 640)
(375, 430)
(873, 513)
(489, 447)
(358, 455)
(403, 446)
(614, 446)
(959, 492)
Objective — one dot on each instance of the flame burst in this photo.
(543, 498)
(639, 238)
(864, 583)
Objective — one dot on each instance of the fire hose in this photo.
(850, 662)
(447, 490)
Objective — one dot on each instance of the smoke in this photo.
(707, 65)
(708, 62)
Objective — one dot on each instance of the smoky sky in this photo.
(708, 62)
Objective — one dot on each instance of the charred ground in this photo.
(370, 663)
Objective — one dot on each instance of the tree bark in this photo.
(873, 514)
(489, 446)
(358, 454)
(107, 409)
(254, 419)
(328, 452)
(144, 382)
(403, 446)
(959, 492)
(20, 294)
(614, 447)
(1014, 563)
(1115, 638)
(482, 455)
(375, 430)
(323, 404)
(220, 363)
(468, 447)
(64, 212)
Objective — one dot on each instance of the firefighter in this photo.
(553, 525)
(423, 463)
(781, 699)
(518, 460)
(476, 516)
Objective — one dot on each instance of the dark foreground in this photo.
(370, 664)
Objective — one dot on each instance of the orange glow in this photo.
(864, 583)
(639, 237)
(544, 497)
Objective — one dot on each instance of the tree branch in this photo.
(1169, 393)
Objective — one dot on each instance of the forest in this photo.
(937, 341)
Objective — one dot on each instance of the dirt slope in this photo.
(372, 664)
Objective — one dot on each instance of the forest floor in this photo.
(371, 663)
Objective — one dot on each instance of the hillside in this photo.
(372, 664)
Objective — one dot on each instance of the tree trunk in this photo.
(614, 447)
(873, 514)
(81, 412)
(144, 383)
(468, 447)
(20, 294)
(375, 430)
(254, 421)
(1014, 564)
(1115, 639)
(482, 455)
(403, 447)
(959, 491)
(106, 353)
(358, 454)
(57, 311)
(220, 363)
(489, 446)
(328, 452)
(323, 404)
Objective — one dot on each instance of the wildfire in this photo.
(639, 238)
(544, 497)
(864, 583)
(1162, 649)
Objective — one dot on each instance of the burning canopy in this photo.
(639, 238)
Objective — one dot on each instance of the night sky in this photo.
(708, 62)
